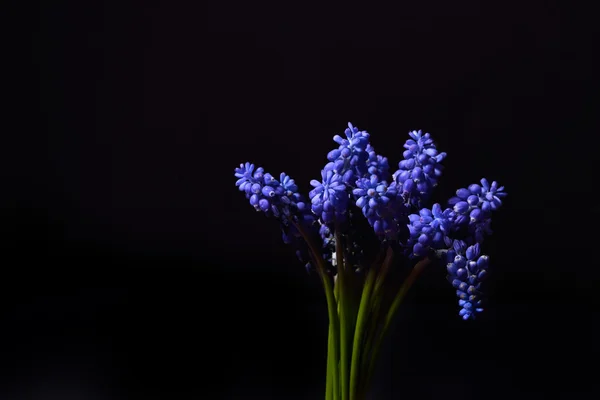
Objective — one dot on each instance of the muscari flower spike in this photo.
(267, 194)
(377, 200)
(354, 160)
(466, 271)
(279, 199)
(377, 164)
(354, 156)
(474, 206)
(429, 230)
(421, 168)
(329, 197)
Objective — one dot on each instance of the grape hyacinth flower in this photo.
(466, 270)
(429, 230)
(377, 201)
(266, 194)
(329, 198)
(421, 168)
(474, 207)
(278, 199)
(355, 199)
(377, 164)
(349, 160)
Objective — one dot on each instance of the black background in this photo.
(133, 268)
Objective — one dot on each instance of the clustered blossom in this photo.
(434, 230)
(355, 173)
(329, 197)
(474, 206)
(421, 168)
(472, 209)
(350, 159)
(379, 205)
(351, 163)
(377, 164)
(429, 230)
(466, 270)
(279, 199)
(267, 194)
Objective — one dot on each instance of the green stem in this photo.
(330, 361)
(374, 324)
(384, 269)
(416, 271)
(377, 296)
(343, 300)
(373, 310)
(359, 332)
(331, 307)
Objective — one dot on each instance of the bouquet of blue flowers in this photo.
(357, 205)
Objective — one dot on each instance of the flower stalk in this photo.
(406, 285)
(329, 391)
(334, 327)
(361, 321)
(344, 315)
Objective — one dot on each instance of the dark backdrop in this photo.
(133, 268)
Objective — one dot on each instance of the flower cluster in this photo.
(329, 197)
(466, 270)
(429, 230)
(421, 168)
(377, 164)
(378, 203)
(473, 207)
(267, 194)
(356, 175)
(279, 199)
(350, 159)
(356, 168)
(470, 218)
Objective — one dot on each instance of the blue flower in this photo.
(349, 160)
(378, 203)
(329, 198)
(267, 194)
(429, 229)
(418, 173)
(245, 178)
(466, 271)
(377, 165)
(288, 184)
(355, 141)
(326, 235)
(485, 196)
(474, 205)
(279, 199)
